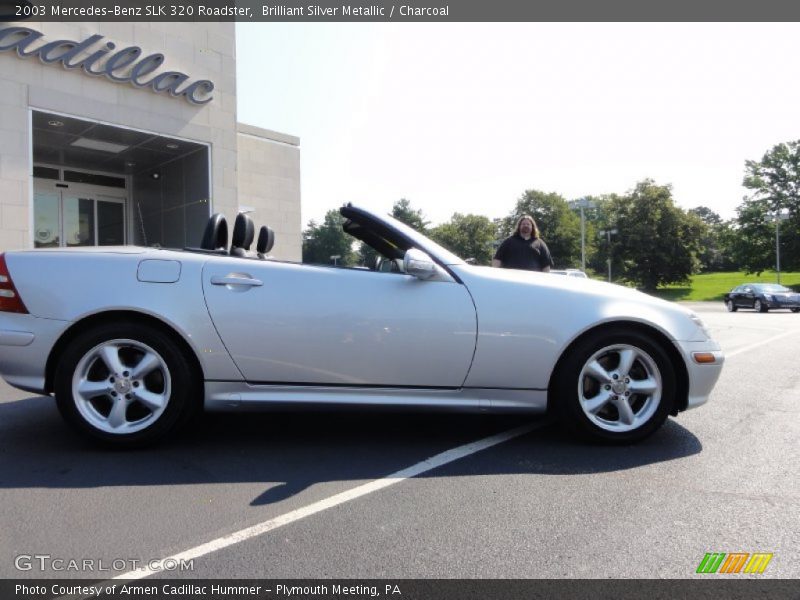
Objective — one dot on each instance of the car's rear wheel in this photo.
(759, 306)
(730, 306)
(617, 386)
(125, 384)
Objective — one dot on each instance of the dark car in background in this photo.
(761, 297)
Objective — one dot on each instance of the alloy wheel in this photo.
(620, 388)
(121, 386)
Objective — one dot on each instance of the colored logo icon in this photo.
(734, 562)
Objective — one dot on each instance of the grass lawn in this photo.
(712, 286)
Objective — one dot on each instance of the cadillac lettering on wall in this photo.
(123, 66)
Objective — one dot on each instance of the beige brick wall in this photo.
(15, 219)
(269, 182)
(202, 51)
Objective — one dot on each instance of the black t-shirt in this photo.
(519, 253)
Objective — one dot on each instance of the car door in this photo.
(748, 297)
(736, 295)
(307, 324)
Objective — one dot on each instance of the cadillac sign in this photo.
(100, 59)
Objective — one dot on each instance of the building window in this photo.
(98, 184)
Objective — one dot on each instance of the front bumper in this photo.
(702, 376)
(778, 303)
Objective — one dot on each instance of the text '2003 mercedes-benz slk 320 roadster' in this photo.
(132, 341)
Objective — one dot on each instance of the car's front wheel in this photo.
(730, 306)
(125, 384)
(617, 386)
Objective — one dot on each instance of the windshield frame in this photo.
(412, 237)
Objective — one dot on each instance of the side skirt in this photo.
(241, 396)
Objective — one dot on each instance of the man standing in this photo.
(524, 249)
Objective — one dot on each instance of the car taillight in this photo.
(9, 296)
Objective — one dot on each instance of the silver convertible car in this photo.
(133, 341)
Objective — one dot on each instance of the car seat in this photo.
(243, 234)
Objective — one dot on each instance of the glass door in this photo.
(110, 221)
(78, 220)
(46, 219)
(72, 216)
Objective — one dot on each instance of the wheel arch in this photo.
(681, 373)
(115, 316)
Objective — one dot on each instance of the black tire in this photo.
(569, 387)
(174, 382)
(759, 306)
(794, 310)
(731, 306)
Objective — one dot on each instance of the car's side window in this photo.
(381, 263)
(389, 265)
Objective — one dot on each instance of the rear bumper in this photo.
(25, 344)
(702, 376)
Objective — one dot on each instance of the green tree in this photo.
(776, 177)
(708, 216)
(728, 240)
(657, 242)
(754, 250)
(402, 211)
(467, 236)
(775, 185)
(367, 255)
(598, 219)
(320, 242)
(712, 255)
(559, 226)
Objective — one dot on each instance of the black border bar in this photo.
(710, 587)
(401, 10)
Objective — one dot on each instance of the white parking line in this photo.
(362, 490)
(759, 344)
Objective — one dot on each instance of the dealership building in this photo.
(126, 133)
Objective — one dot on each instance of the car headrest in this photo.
(266, 240)
(243, 233)
(215, 236)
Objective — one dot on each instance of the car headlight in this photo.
(699, 322)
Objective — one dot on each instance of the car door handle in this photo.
(236, 280)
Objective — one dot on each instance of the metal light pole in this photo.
(778, 248)
(778, 217)
(582, 203)
(608, 233)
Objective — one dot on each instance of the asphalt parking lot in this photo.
(722, 478)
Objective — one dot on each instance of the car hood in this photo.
(577, 301)
(577, 284)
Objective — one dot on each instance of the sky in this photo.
(464, 117)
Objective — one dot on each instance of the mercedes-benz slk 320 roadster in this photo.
(132, 341)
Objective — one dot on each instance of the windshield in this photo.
(770, 287)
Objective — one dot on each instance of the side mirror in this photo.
(419, 264)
